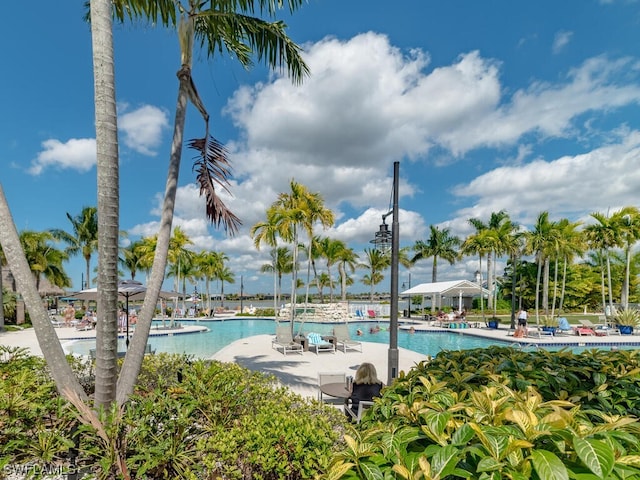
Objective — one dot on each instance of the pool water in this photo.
(222, 333)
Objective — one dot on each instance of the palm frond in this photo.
(212, 167)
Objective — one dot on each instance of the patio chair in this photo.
(343, 339)
(284, 340)
(359, 314)
(372, 314)
(317, 344)
(325, 378)
(357, 415)
(564, 327)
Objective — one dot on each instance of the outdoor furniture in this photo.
(332, 384)
(284, 340)
(343, 339)
(564, 327)
(318, 344)
(357, 415)
(599, 330)
(372, 314)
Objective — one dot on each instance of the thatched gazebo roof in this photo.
(46, 288)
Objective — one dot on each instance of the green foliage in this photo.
(627, 317)
(187, 419)
(501, 413)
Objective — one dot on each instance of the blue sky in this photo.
(522, 106)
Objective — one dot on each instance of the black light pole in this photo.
(241, 294)
(381, 241)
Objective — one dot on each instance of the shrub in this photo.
(501, 413)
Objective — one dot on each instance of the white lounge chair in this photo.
(318, 344)
(343, 339)
(284, 340)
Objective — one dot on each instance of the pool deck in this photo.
(299, 372)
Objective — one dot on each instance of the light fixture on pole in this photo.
(382, 241)
(241, 294)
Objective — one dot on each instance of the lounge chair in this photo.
(284, 340)
(343, 339)
(599, 330)
(564, 327)
(318, 344)
(55, 322)
(372, 314)
(359, 314)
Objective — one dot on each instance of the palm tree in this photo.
(180, 259)
(480, 243)
(133, 257)
(570, 244)
(628, 223)
(375, 261)
(439, 245)
(44, 259)
(347, 260)
(267, 232)
(281, 263)
(542, 241)
(83, 239)
(224, 274)
(208, 263)
(603, 236)
(331, 250)
(223, 25)
(54, 355)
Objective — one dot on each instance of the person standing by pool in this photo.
(69, 315)
(522, 318)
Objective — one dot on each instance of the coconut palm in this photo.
(347, 261)
(331, 249)
(542, 241)
(208, 264)
(133, 257)
(217, 26)
(603, 236)
(281, 263)
(480, 243)
(628, 223)
(440, 244)
(2, 264)
(224, 274)
(267, 232)
(44, 259)
(83, 239)
(570, 244)
(375, 261)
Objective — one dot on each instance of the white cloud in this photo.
(560, 41)
(142, 128)
(77, 153)
(573, 185)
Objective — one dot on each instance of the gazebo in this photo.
(456, 289)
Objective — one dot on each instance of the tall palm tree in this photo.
(440, 244)
(375, 261)
(570, 244)
(180, 260)
(133, 257)
(3, 262)
(480, 243)
(628, 223)
(542, 242)
(44, 259)
(281, 263)
(217, 26)
(83, 239)
(48, 341)
(267, 232)
(208, 264)
(224, 274)
(603, 236)
(347, 261)
(331, 250)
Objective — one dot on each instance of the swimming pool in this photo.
(222, 333)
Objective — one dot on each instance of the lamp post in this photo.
(241, 294)
(381, 241)
(408, 296)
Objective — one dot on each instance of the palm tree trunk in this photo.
(538, 275)
(555, 289)
(47, 338)
(490, 279)
(135, 354)
(108, 203)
